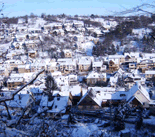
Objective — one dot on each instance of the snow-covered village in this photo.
(77, 76)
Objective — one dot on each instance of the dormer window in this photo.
(122, 95)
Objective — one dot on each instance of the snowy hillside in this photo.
(88, 46)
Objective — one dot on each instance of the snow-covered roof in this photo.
(115, 56)
(94, 74)
(119, 95)
(116, 61)
(15, 80)
(152, 72)
(36, 90)
(75, 90)
(135, 88)
(97, 64)
(141, 32)
(67, 50)
(20, 101)
(84, 61)
(56, 73)
(59, 104)
(44, 101)
(62, 80)
(103, 89)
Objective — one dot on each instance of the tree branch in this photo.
(18, 90)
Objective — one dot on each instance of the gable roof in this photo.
(20, 101)
(97, 98)
(134, 89)
(59, 104)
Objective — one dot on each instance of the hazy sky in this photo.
(69, 7)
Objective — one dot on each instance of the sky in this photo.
(69, 7)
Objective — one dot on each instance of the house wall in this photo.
(12, 85)
(21, 70)
(132, 66)
(94, 80)
(147, 76)
(88, 107)
(113, 67)
(141, 66)
(84, 68)
(141, 97)
(68, 55)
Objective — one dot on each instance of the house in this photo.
(21, 69)
(138, 95)
(47, 27)
(120, 58)
(20, 37)
(36, 92)
(73, 79)
(113, 81)
(132, 65)
(19, 102)
(57, 26)
(34, 30)
(98, 33)
(33, 36)
(52, 66)
(45, 103)
(18, 79)
(32, 53)
(78, 38)
(84, 64)
(13, 63)
(149, 74)
(21, 21)
(105, 93)
(67, 53)
(67, 65)
(75, 93)
(98, 66)
(62, 81)
(90, 101)
(128, 59)
(78, 24)
(94, 77)
(131, 57)
(56, 74)
(113, 65)
(31, 44)
(22, 29)
(145, 65)
(60, 104)
(17, 45)
(118, 97)
(131, 78)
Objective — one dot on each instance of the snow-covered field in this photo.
(88, 46)
(141, 32)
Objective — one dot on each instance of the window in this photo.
(55, 106)
(122, 95)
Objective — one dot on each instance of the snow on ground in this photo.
(141, 32)
(88, 46)
(84, 130)
(6, 46)
(116, 43)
